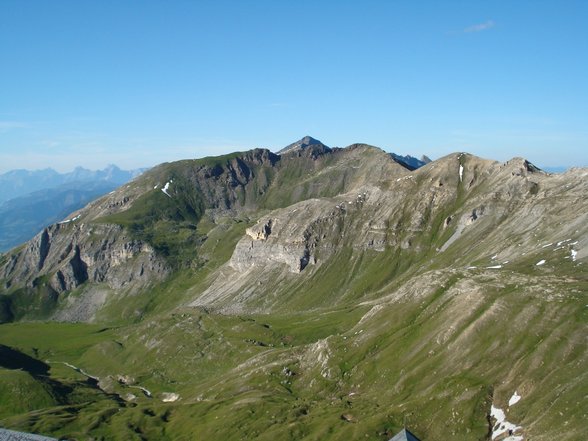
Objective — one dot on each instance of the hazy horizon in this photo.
(67, 169)
(106, 163)
(137, 84)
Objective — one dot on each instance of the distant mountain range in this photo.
(32, 200)
(15, 183)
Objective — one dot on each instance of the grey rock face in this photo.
(459, 203)
(72, 254)
(274, 240)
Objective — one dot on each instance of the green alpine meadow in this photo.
(315, 293)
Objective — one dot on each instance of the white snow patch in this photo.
(494, 267)
(497, 413)
(471, 267)
(514, 399)
(166, 187)
(574, 254)
(541, 262)
(573, 243)
(71, 220)
(502, 426)
(156, 185)
(494, 257)
(547, 245)
(460, 172)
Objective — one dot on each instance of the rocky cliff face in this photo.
(72, 254)
(455, 210)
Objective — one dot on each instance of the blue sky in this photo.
(137, 83)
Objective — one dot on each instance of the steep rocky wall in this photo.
(456, 211)
(70, 254)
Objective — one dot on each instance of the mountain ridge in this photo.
(270, 296)
(242, 182)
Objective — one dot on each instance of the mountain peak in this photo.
(301, 144)
(309, 140)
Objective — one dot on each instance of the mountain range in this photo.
(15, 183)
(315, 293)
(32, 200)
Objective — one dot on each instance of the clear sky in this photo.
(136, 83)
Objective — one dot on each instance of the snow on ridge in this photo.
(70, 220)
(514, 399)
(541, 262)
(460, 172)
(166, 187)
(494, 267)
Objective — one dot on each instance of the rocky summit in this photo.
(319, 293)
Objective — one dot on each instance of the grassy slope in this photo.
(410, 359)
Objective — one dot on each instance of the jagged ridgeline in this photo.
(314, 293)
(156, 226)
